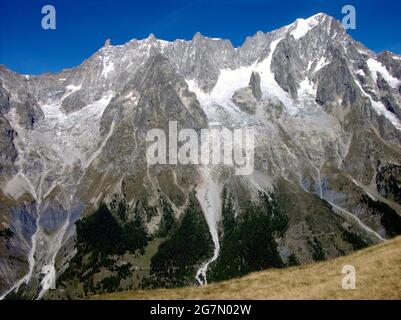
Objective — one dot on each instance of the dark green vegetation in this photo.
(388, 181)
(292, 260)
(168, 224)
(20, 294)
(248, 241)
(100, 237)
(103, 239)
(178, 258)
(379, 266)
(317, 250)
(112, 283)
(6, 234)
(390, 220)
(355, 240)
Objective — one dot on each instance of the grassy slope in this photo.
(378, 271)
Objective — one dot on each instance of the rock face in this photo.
(326, 181)
(247, 98)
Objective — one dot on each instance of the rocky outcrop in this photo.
(247, 98)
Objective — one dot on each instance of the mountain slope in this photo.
(377, 277)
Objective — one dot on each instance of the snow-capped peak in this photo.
(303, 26)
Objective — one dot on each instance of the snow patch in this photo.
(230, 81)
(376, 67)
(380, 108)
(302, 26)
(306, 89)
(268, 83)
(108, 66)
(72, 88)
(72, 134)
(321, 63)
(361, 72)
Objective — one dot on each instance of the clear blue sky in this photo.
(83, 25)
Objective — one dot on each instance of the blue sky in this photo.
(83, 25)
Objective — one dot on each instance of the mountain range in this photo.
(82, 212)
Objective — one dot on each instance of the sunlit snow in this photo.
(376, 67)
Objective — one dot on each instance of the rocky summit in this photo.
(82, 212)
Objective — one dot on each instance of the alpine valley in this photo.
(83, 212)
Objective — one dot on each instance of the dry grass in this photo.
(378, 271)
